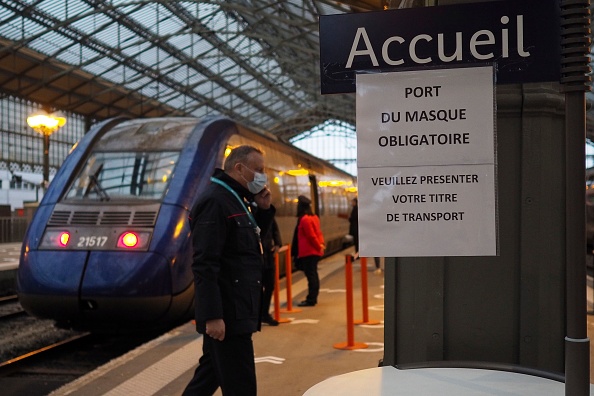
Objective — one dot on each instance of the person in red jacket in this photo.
(310, 248)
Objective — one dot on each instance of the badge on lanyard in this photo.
(247, 209)
(257, 231)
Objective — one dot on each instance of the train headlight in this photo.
(133, 240)
(129, 239)
(56, 239)
(64, 239)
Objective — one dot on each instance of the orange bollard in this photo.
(276, 293)
(350, 344)
(364, 298)
(289, 280)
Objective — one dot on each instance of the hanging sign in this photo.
(523, 39)
(426, 163)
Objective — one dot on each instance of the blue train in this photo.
(109, 247)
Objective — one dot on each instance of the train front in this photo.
(108, 247)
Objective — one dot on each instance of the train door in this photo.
(314, 195)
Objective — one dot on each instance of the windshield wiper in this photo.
(96, 186)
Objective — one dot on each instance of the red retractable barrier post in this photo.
(350, 344)
(364, 298)
(289, 279)
(276, 292)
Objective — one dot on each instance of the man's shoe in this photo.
(270, 321)
(306, 303)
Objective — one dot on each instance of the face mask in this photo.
(259, 182)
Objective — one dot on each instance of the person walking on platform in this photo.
(271, 243)
(308, 247)
(227, 267)
(354, 231)
(354, 223)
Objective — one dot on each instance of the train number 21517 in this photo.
(88, 241)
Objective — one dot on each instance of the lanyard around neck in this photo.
(247, 211)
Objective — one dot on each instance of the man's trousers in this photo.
(228, 364)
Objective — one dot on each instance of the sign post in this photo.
(575, 83)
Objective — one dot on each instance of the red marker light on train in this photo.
(64, 238)
(128, 240)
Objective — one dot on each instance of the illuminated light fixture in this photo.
(331, 183)
(228, 151)
(164, 178)
(128, 239)
(276, 180)
(298, 172)
(45, 124)
(351, 189)
(64, 238)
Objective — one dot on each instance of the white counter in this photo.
(390, 381)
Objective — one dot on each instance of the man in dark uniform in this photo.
(227, 266)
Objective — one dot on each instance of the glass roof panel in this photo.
(11, 30)
(198, 47)
(70, 8)
(26, 27)
(5, 13)
(200, 9)
(99, 67)
(137, 81)
(167, 24)
(108, 33)
(250, 59)
(92, 22)
(50, 7)
(183, 41)
(70, 55)
(133, 49)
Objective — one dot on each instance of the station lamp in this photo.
(45, 124)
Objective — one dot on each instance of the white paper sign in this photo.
(426, 163)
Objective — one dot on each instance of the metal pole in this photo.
(46, 143)
(577, 344)
(574, 66)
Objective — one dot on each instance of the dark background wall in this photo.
(504, 309)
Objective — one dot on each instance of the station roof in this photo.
(254, 61)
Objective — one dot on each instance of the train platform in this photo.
(300, 357)
(9, 262)
(290, 358)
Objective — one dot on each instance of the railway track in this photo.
(10, 308)
(18, 363)
(37, 364)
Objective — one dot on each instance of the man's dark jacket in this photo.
(227, 260)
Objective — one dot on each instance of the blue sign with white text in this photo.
(521, 38)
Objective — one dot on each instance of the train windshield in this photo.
(124, 176)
